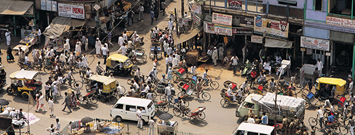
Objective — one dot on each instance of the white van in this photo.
(126, 108)
(254, 129)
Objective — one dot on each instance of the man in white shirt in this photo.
(251, 119)
(175, 61)
(170, 24)
(141, 10)
(165, 47)
(57, 126)
(193, 69)
(124, 36)
(130, 44)
(168, 93)
(267, 66)
(320, 66)
(8, 37)
(230, 93)
(151, 124)
(77, 48)
(139, 117)
(98, 47)
(39, 34)
(123, 50)
(105, 51)
(234, 60)
(169, 50)
(214, 56)
(41, 102)
(351, 85)
(13, 114)
(320, 117)
(119, 90)
(209, 52)
(51, 106)
(120, 41)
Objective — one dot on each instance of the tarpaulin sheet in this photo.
(184, 37)
(57, 27)
(9, 7)
(274, 43)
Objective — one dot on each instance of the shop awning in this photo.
(9, 7)
(274, 43)
(184, 37)
(60, 25)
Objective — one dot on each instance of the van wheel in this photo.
(118, 118)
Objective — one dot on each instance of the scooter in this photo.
(247, 68)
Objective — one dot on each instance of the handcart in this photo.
(162, 106)
(159, 53)
(311, 100)
(179, 75)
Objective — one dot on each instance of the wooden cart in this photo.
(167, 128)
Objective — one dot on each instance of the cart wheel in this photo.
(186, 103)
(176, 111)
(312, 121)
(206, 96)
(123, 89)
(9, 91)
(77, 82)
(201, 116)
(214, 85)
(224, 103)
(175, 78)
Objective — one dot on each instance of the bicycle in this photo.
(213, 84)
(301, 86)
(185, 91)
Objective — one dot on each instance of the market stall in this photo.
(94, 127)
(167, 127)
(26, 43)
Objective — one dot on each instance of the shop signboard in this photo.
(243, 21)
(196, 19)
(71, 10)
(242, 30)
(43, 4)
(223, 30)
(256, 39)
(235, 4)
(209, 27)
(195, 7)
(183, 21)
(340, 22)
(314, 43)
(54, 6)
(222, 19)
(271, 27)
(49, 5)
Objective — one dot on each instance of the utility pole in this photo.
(176, 23)
(182, 8)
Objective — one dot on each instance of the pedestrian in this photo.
(41, 102)
(251, 119)
(168, 93)
(8, 37)
(67, 102)
(156, 11)
(310, 84)
(285, 125)
(51, 106)
(352, 124)
(163, 6)
(315, 75)
(86, 43)
(291, 127)
(141, 10)
(151, 16)
(37, 101)
(170, 24)
(57, 126)
(77, 49)
(109, 38)
(175, 61)
(351, 85)
(105, 52)
(170, 74)
(50, 129)
(120, 41)
(123, 49)
(214, 56)
(264, 119)
(9, 57)
(130, 17)
(262, 53)
(221, 53)
(98, 47)
(198, 87)
(234, 63)
(320, 67)
(151, 126)
(139, 117)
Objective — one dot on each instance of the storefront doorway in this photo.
(343, 53)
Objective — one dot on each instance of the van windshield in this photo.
(150, 106)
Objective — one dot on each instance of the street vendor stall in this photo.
(27, 42)
(167, 127)
(95, 127)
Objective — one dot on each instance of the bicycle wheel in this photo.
(88, 89)
(92, 100)
(165, 109)
(113, 99)
(206, 96)
(336, 129)
(344, 129)
(214, 85)
(176, 111)
(186, 103)
(175, 78)
(79, 84)
(154, 94)
(181, 93)
(313, 121)
(224, 103)
(129, 81)
(201, 116)
(123, 90)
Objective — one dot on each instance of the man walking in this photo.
(151, 126)
(315, 75)
(320, 66)
(151, 16)
(320, 117)
(51, 106)
(67, 102)
(214, 56)
(139, 117)
(351, 85)
(41, 102)
(264, 120)
(141, 15)
(105, 52)
(234, 63)
(8, 37)
(352, 125)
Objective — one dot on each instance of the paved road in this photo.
(218, 120)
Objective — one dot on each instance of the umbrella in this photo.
(86, 120)
(4, 102)
(165, 116)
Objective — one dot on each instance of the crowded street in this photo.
(169, 70)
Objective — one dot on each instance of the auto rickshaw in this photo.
(105, 87)
(324, 91)
(118, 64)
(24, 83)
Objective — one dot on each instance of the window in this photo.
(119, 106)
(150, 106)
(252, 133)
(143, 109)
(248, 105)
(318, 5)
(131, 108)
(240, 132)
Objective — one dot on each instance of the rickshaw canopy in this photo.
(23, 75)
(331, 81)
(109, 84)
(339, 83)
(119, 58)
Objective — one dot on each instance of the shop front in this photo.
(342, 51)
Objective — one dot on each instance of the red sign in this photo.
(235, 4)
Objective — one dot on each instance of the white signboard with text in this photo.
(72, 11)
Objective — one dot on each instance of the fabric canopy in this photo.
(9, 7)
(274, 43)
(60, 25)
(184, 37)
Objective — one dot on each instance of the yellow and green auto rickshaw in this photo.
(325, 85)
(24, 83)
(119, 64)
(105, 88)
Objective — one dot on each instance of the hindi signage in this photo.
(54, 6)
(209, 27)
(270, 27)
(43, 4)
(235, 4)
(340, 22)
(242, 30)
(195, 7)
(222, 19)
(183, 21)
(71, 10)
(223, 30)
(196, 19)
(314, 43)
(256, 39)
